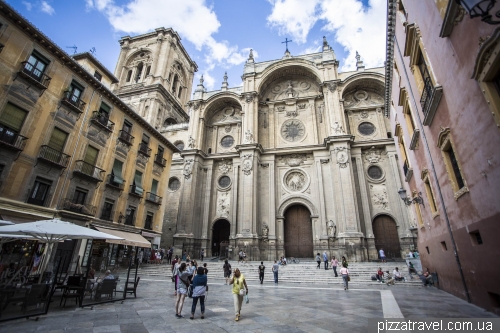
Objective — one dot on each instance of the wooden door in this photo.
(220, 233)
(386, 236)
(298, 232)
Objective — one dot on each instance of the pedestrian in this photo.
(244, 257)
(318, 260)
(170, 254)
(191, 269)
(162, 254)
(325, 260)
(382, 255)
(182, 287)
(175, 270)
(152, 258)
(199, 291)
(227, 270)
(334, 264)
(202, 254)
(240, 256)
(184, 255)
(345, 276)
(275, 272)
(261, 272)
(238, 282)
(344, 262)
(205, 269)
(140, 256)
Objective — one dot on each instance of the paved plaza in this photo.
(283, 308)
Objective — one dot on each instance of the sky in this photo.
(218, 34)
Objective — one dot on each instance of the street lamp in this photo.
(481, 8)
(418, 199)
(127, 214)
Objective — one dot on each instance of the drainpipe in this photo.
(429, 156)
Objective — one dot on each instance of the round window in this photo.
(179, 145)
(224, 181)
(366, 128)
(375, 172)
(227, 141)
(174, 184)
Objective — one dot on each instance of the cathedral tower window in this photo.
(148, 70)
(129, 75)
(174, 84)
(139, 72)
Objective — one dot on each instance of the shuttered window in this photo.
(138, 182)
(91, 155)
(58, 139)
(117, 172)
(104, 108)
(154, 186)
(13, 117)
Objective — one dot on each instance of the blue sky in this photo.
(218, 33)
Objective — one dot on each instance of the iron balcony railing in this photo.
(30, 72)
(73, 101)
(88, 170)
(114, 181)
(160, 160)
(71, 205)
(102, 120)
(405, 167)
(136, 190)
(53, 156)
(426, 97)
(11, 138)
(144, 149)
(126, 137)
(151, 197)
(107, 214)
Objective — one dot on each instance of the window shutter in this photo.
(58, 139)
(138, 182)
(154, 186)
(13, 117)
(105, 107)
(117, 172)
(91, 155)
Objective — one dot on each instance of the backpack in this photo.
(262, 268)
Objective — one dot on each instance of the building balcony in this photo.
(52, 156)
(160, 160)
(125, 137)
(89, 171)
(407, 171)
(153, 198)
(102, 121)
(34, 76)
(79, 208)
(115, 182)
(430, 100)
(73, 102)
(414, 139)
(144, 149)
(136, 191)
(12, 140)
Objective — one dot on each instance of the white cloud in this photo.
(46, 8)
(355, 27)
(28, 5)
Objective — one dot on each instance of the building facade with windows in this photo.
(69, 147)
(443, 96)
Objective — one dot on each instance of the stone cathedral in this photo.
(297, 160)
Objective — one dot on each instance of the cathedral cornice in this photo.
(389, 53)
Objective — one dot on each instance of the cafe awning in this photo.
(128, 238)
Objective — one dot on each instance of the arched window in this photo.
(148, 69)
(169, 121)
(129, 75)
(180, 91)
(139, 71)
(174, 84)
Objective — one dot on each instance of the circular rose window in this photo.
(366, 128)
(375, 172)
(224, 181)
(227, 141)
(179, 145)
(293, 130)
(174, 184)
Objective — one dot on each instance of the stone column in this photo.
(207, 201)
(273, 231)
(156, 53)
(322, 208)
(121, 59)
(248, 214)
(235, 226)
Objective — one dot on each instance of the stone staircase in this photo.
(304, 272)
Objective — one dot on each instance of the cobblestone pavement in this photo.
(282, 308)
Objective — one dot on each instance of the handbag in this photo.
(190, 291)
(348, 278)
(246, 299)
(242, 292)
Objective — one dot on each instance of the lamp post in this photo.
(127, 214)
(416, 200)
(480, 8)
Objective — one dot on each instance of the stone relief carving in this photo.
(292, 89)
(293, 130)
(332, 229)
(265, 232)
(247, 164)
(191, 142)
(295, 181)
(337, 129)
(97, 136)
(373, 155)
(332, 86)
(229, 113)
(342, 157)
(292, 114)
(188, 168)
(194, 105)
(157, 169)
(280, 108)
(324, 160)
(302, 106)
(141, 160)
(249, 97)
(319, 111)
(225, 167)
(227, 129)
(248, 136)
(122, 147)
(379, 196)
(361, 98)
(293, 160)
(364, 114)
(223, 204)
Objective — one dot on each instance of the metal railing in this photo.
(73, 101)
(102, 120)
(107, 214)
(135, 190)
(88, 170)
(126, 137)
(160, 160)
(427, 93)
(53, 156)
(80, 208)
(11, 138)
(151, 197)
(405, 167)
(31, 72)
(111, 181)
(144, 149)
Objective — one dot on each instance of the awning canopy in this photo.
(128, 238)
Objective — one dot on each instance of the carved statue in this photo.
(265, 232)
(337, 128)
(289, 89)
(332, 229)
(248, 136)
(191, 142)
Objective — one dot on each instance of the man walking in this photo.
(335, 263)
(261, 272)
(275, 272)
(202, 254)
(382, 255)
(325, 260)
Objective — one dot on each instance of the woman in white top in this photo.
(345, 276)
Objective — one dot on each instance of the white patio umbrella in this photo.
(53, 231)
(3, 222)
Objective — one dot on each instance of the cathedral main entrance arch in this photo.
(386, 236)
(220, 233)
(298, 232)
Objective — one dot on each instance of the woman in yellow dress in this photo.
(240, 289)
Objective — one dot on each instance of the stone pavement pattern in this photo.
(284, 308)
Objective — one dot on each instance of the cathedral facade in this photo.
(298, 160)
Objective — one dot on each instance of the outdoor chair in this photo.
(131, 287)
(75, 288)
(106, 287)
(36, 296)
(117, 278)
